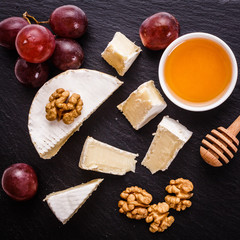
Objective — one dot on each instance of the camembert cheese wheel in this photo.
(94, 88)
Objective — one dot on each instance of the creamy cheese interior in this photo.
(142, 105)
(168, 140)
(120, 53)
(66, 203)
(101, 157)
(162, 150)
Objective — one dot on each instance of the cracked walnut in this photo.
(137, 201)
(182, 189)
(58, 107)
(158, 215)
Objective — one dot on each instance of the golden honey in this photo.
(198, 71)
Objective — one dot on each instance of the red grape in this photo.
(19, 181)
(68, 54)
(9, 29)
(31, 74)
(35, 43)
(68, 21)
(159, 30)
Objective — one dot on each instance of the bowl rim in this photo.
(230, 88)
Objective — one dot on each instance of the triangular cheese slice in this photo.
(66, 203)
(94, 88)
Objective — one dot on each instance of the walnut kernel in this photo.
(182, 189)
(58, 107)
(158, 215)
(137, 201)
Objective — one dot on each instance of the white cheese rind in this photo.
(64, 204)
(94, 88)
(120, 53)
(153, 104)
(176, 128)
(101, 157)
(169, 138)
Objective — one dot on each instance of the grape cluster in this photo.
(36, 44)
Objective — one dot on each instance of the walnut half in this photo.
(137, 201)
(58, 107)
(158, 215)
(182, 189)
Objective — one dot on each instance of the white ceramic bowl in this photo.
(189, 106)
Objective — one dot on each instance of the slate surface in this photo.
(215, 213)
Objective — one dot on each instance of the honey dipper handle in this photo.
(234, 128)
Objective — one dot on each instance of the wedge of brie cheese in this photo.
(120, 53)
(101, 157)
(142, 105)
(93, 87)
(64, 204)
(168, 140)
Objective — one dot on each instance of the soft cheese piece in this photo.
(120, 53)
(94, 88)
(142, 105)
(168, 140)
(101, 157)
(66, 203)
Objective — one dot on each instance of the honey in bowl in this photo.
(198, 71)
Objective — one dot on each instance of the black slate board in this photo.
(215, 213)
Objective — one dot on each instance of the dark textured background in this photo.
(215, 213)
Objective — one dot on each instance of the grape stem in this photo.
(27, 16)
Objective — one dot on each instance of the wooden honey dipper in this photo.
(219, 147)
